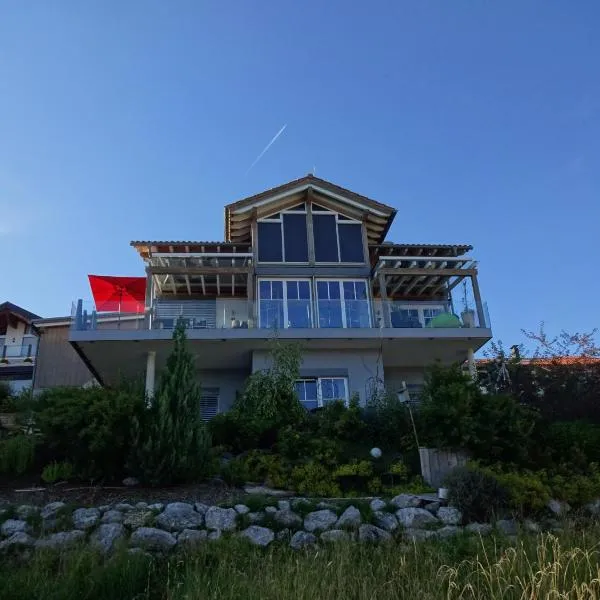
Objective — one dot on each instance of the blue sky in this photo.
(479, 121)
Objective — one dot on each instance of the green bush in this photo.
(267, 468)
(171, 442)
(235, 472)
(341, 422)
(313, 479)
(388, 423)
(445, 417)
(91, 428)
(574, 488)
(17, 454)
(478, 494)
(57, 471)
(269, 401)
(576, 443)
(230, 431)
(502, 430)
(5, 392)
(526, 491)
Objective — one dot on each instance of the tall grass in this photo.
(565, 567)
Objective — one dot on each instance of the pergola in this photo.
(423, 272)
(197, 269)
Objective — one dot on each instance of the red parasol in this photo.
(122, 294)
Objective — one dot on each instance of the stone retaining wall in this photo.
(154, 528)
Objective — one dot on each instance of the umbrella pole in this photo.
(120, 300)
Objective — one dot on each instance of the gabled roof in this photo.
(25, 315)
(377, 216)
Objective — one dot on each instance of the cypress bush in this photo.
(170, 441)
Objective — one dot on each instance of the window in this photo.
(326, 244)
(282, 237)
(337, 238)
(343, 303)
(356, 304)
(319, 391)
(402, 316)
(209, 403)
(429, 314)
(269, 242)
(351, 242)
(294, 236)
(284, 304)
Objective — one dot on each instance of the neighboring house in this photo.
(59, 363)
(18, 346)
(306, 261)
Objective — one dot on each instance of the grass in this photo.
(566, 567)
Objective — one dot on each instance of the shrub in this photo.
(445, 416)
(17, 454)
(526, 491)
(235, 472)
(5, 391)
(574, 442)
(502, 430)
(574, 488)
(269, 401)
(57, 471)
(313, 479)
(89, 427)
(171, 442)
(230, 431)
(478, 494)
(267, 468)
(388, 423)
(344, 423)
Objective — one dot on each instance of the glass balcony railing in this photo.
(415, 315)
(278, 314)
(18, 351)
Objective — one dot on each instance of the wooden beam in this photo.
(309, 227)
(385, 308)
(402, 280)
(198, 270)
(433, 271)
(365, 240)
(452, 285)
(478, 302)
(250, 292)
(254, 236)
(430, 281)
(413, 284)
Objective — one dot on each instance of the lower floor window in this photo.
(209, 403)
(318, 391)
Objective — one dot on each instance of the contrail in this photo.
(266, 148)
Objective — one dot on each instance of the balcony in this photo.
(280, 314)
(24, 351)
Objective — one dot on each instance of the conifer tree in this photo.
(171, 442)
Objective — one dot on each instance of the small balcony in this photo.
(24, 351)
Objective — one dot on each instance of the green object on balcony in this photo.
(445, 320)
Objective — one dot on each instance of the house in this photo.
(18, 346)
(307, 261)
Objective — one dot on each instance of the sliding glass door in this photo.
(343, 303)
(284, 304)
